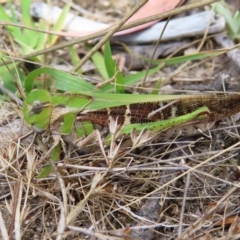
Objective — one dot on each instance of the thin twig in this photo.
(183, 204)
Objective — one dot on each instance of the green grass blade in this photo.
(109, 63)
(98, 61)
(132, 79)
(192, 57)
(157, 86)
(222, 8)
(61, 80)
(31, 37)
(74, 57)
(42, 37)
(26, 17)
(45, 172)
(14, 31)
(48, 168)
(60, 23)
(10, 76)
(112, 68)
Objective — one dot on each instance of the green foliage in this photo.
(98, 61)
(233, 21)
(55, 157)
(28, 40)
(112, 69)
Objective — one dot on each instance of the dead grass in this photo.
(181, 189)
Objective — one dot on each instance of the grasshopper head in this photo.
(37, 110)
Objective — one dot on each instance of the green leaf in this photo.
(157, 87)
(112, 68)
(31, 37)
(98, 61)
(61, 80)
(60, 22)
(42, 37)
(132, 79)
(15, 31)
(55, 157)
(232, 21)
(74, 56)
(109, 63)
(83, 128)
(191, 57)
(45, 172)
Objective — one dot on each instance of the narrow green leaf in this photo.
(48, 168)
(26, 17)
(98, 61)
(112, 68)
(157, 86)
(83, 129)
(74, 57)
(45, 172)
(31, 37)
(192, 57)
(15, 31)
(132, 79)
(61, 80)
(42, 37)
(109, 63)
(60, 22)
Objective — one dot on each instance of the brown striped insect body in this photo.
(220, 106)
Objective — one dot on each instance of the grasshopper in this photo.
(59, 113)
(73, 116)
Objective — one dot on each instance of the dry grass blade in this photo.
(189, 232)
(3, 228)
(84, 188)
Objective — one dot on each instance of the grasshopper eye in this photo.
(37, 107)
